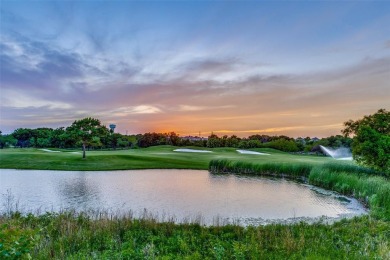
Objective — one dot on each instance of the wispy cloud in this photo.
(16, 99)
(189, 108)
(128, 111)
(274, 130)
(149, 72)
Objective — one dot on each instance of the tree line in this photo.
(369, 139)
(281, 142)
(89, 133)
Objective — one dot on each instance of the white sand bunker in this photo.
(251, 152)
(192, 151)
(49, 151)
(345, 159)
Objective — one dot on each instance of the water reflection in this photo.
(79, 190)
(185, 194)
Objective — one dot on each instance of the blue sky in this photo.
(234, 67)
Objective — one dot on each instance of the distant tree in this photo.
(308, 140)
(43, 142)
(41, 137)
(214, 141)
(265, 138)
(7, 140)
(114, 140)
(339, 141)
(254, 144)
(59, 138)
(95, 142)
(371, 141)
(223, 140)
(300, 142)
(173, 138)
(284, 137)
(232, 141)
(243, 144)
(86, 130)
(151, 139)
(131, 140)
(255, 137)
(283, 145)
(123, 142)
(23, 135)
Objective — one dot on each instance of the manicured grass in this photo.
(158, 157)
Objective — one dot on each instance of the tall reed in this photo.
(372, 190)
(77, 236)
(272, 169)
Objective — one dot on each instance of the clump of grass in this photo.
(351, 168)
(293, 170)
(70, 235)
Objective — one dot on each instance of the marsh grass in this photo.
(374, 191)
(336, 166)
(71, 235)
(296, 170)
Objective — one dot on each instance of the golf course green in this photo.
(155, 157)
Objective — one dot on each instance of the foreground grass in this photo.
(158, 157)
(70, 236)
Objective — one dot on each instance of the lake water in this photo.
(182, 195)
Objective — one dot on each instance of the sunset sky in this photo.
(298, 68)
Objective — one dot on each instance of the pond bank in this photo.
(372, 190)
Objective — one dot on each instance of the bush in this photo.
(283, 145)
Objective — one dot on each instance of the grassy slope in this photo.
(159, 157)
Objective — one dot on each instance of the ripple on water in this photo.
(179, 195)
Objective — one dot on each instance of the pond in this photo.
(178, 195)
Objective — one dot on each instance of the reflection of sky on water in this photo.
(182, 193)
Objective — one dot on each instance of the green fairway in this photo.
(156, 157)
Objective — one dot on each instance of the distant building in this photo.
(315, 139)
(193, 138)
